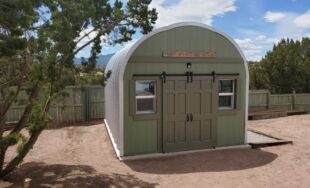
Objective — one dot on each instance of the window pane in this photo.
(145, 88)
(225, 101)
(226, 86)
(146, 105)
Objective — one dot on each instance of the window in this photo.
(145, 97)
(227, 94)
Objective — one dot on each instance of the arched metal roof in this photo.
(118, 62)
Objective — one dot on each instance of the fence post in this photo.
(86, 103)
(74, 90)
(293, 100)
(268, 100)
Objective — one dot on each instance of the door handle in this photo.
(192, 117)
(187, 117)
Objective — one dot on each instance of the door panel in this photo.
(206, 130)
(180, 133)
(170, 132)
(196, 102)
(180, 105)
(170, 105)
(203, 112)
(195, 131)
(175, 114)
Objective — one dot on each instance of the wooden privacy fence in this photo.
(85, 104)
(82, 104)
(262, 99)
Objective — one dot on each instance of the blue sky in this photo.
(254, 24)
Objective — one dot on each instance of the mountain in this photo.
(102, 60)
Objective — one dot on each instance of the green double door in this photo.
(189, 117)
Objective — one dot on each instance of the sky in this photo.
(256, 25)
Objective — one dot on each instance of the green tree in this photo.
(258, 79)
(283, 69)
(38, 42)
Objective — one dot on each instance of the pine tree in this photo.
(283, 69)
(38, 42)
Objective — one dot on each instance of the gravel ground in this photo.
(82, 156)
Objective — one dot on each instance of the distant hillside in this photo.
(102, 60)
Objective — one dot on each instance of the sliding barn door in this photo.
(188, 114)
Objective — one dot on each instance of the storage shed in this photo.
(182, 87)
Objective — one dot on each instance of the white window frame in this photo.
(232, 95)
(153, 111)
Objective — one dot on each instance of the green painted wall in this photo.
(142, 136)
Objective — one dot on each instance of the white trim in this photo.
(160, 155)
(112, 139)
(226, 108)
(226, 94)
(146, 97)
(132, 49)
(145, 112)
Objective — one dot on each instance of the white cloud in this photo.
(86, 51)
(192, 10)
(285, 25)
(274, 16)
(253, 50)
(303, 20)
(243, 42)
(261, 37)
(248, 44)
(248, 32)
(255, 46)
(89, 37)
(294, 26)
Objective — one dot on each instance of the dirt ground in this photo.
(82, 156)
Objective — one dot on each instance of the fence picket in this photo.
(85, 104)
(82, 104)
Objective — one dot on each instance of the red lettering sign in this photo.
(188, 54)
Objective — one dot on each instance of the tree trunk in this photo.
(7, 103)
(23, 120)
(20, 125)
(18, 159)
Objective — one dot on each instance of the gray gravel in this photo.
(258, 138)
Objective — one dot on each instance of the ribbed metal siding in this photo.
(112, 93)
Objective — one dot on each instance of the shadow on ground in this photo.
(60, 175)
(215, 161)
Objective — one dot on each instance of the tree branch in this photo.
(87, 34)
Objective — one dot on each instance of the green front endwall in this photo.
(141, 136)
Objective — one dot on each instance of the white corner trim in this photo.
(160, 155)
(117, 152)
(121, 117)
(247, 82)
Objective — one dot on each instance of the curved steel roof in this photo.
(118, 62)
